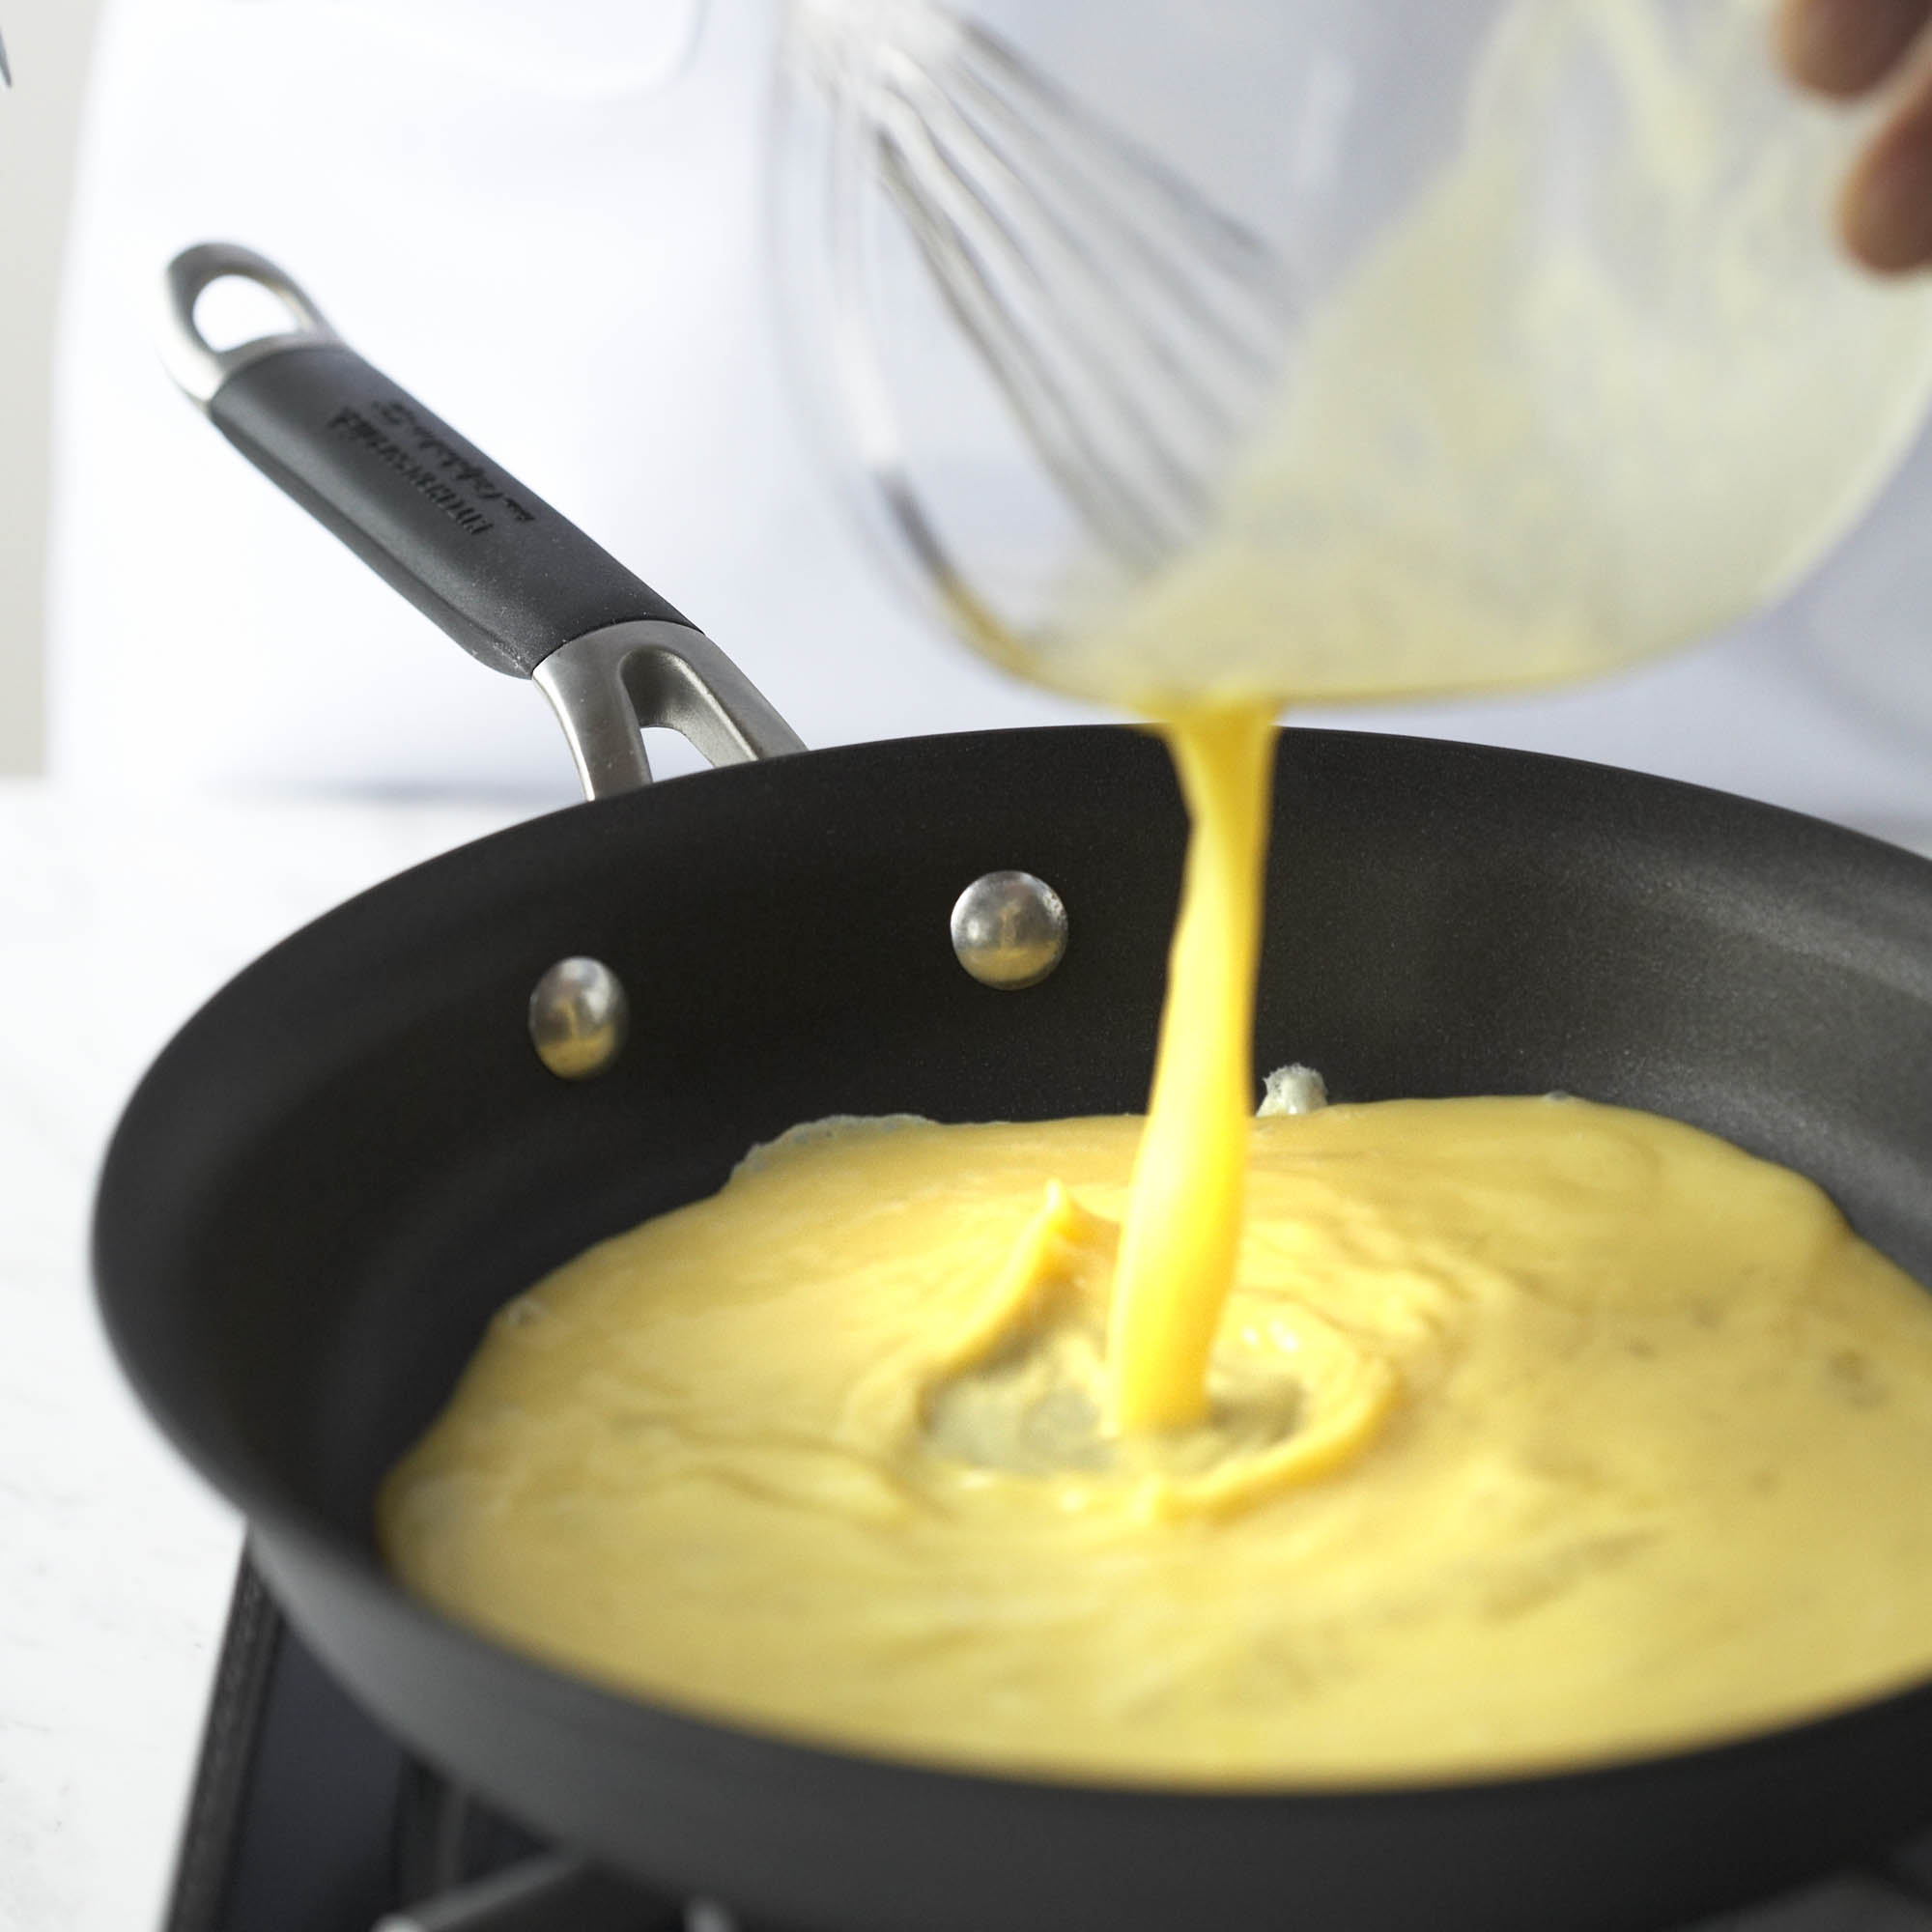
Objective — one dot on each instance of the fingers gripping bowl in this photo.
(341, 1167)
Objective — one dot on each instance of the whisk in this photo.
(1133, 327)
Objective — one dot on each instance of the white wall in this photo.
(47, 46)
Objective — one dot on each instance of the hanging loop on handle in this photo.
(200, 369)
(515, 583)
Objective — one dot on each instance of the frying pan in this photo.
(353, 1155)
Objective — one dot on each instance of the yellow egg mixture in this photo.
(1376, 1443)
(1540, 1430)
(1380, 1443)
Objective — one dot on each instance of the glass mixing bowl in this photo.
(1192, 350)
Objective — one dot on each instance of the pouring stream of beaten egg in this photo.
(1566, 413)
(1413, 1439)
(1184, 1221)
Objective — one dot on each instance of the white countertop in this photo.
(115, 1563)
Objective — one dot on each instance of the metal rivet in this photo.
(1010, 930)
(579, 1017)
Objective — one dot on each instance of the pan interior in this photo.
(353, 1156)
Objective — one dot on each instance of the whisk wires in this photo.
(1132, 327)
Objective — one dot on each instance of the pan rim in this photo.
(309, 1539)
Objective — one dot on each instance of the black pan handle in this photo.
(518, 585)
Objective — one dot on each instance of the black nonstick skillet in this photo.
(354, 1153)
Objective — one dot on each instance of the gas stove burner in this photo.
(307, 1817)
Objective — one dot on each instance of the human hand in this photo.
(1845, 48)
